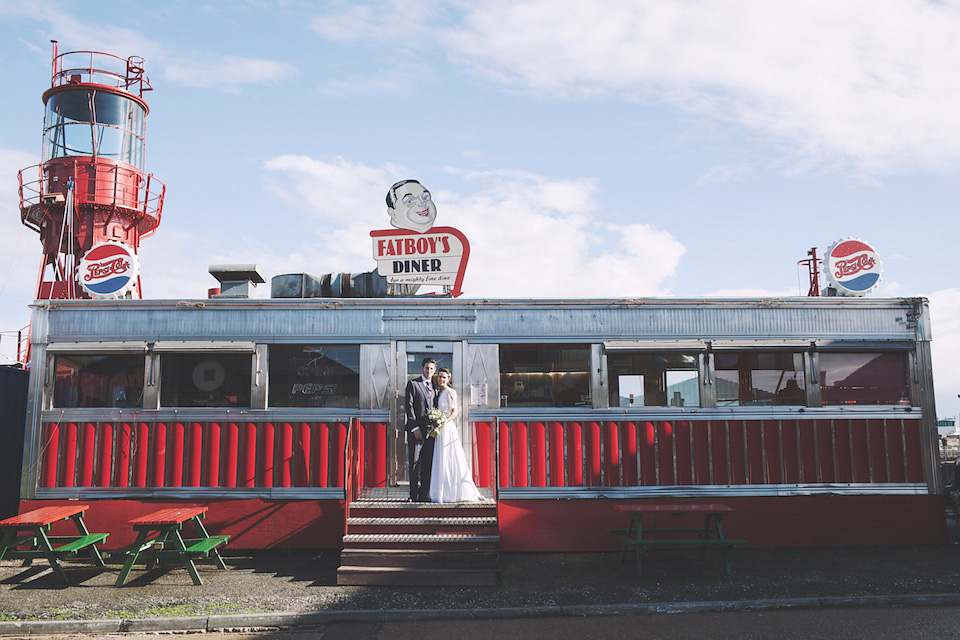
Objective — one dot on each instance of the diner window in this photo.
(864, 378)
(646, 379)
(305, 375)
(748, 378)
(89, 380)
(545, 375)
(205, 379)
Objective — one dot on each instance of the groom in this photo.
(418, 400)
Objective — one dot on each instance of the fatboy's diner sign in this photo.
(416, 252)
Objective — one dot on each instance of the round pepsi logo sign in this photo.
(108, 270)
(853, 267)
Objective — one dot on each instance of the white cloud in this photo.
(875, 82)
(225, 72)
(396, 23)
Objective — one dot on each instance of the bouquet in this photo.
(435, 419)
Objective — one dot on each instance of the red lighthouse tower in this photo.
(89, 198)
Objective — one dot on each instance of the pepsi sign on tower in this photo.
(853, 267)
(108, 270)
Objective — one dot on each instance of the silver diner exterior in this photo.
(813, 417)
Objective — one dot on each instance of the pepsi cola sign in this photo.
(853, 267)
(108, 270)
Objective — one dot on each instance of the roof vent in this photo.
(236, 280)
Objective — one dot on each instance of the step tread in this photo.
(419, 537)
(388, 551)
(426, 520)
(403, 504)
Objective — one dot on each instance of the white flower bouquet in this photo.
(435, 419)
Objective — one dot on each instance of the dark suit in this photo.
(418, 400)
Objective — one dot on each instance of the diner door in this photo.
(409, 356)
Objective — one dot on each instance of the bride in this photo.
(450, 479)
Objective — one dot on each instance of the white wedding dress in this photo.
(450, 479)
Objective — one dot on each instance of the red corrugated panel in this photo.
(248, 457)
(665, 444)
(140, 454)
(538, 454)
(503, 440)
(122, 467)
(556, 455)
(594, 446)
(196, 455)
(340, 447)
(176, 455)
(628, 453)
(232, 453)
(755, 450)
(648, 476)
(574, 454)
(105, 461)
(159, 454)
(611, 454)
(51, 454)
(213, 454)
(481, 470)
(286, 455)
(378, 455)
(302, 461)
(914, 451)
(87, 454)
(268, 445)
(361, 452)
(321, 468)
(520, 455)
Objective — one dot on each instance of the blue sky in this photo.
(601, 149)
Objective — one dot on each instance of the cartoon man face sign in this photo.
(410, 206)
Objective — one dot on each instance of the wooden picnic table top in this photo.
(174, 515)
(44, 516)
(674, 508)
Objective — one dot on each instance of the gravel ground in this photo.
(304, 582)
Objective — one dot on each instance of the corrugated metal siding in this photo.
(283, 321)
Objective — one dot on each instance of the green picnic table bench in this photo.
(26, 537)
(708, 536)
(159, 537)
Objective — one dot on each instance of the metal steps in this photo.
(394, 542)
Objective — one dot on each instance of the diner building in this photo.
(813, 418)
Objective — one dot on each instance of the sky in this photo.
(611, 148)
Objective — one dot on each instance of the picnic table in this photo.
(26, 536)
(159, 537)
(638, 536)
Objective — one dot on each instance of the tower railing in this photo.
(146, 197)
(100, 68)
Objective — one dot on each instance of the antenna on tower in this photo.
(813, 267)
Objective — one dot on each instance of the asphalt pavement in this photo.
(298, 589)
